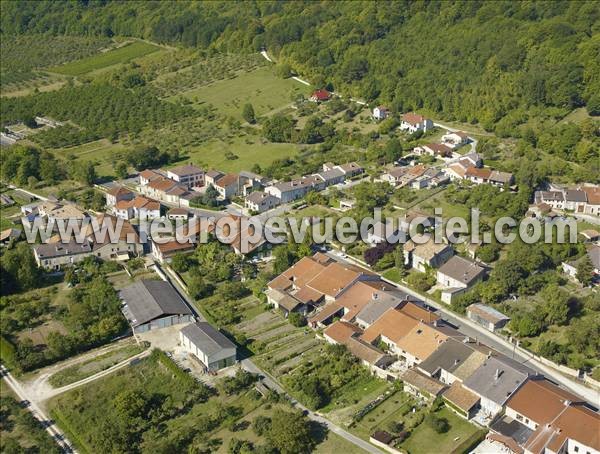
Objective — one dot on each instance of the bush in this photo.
(296, 319)
(440, 425)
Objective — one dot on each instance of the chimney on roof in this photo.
(375, 295)
(497, 374)
(435, 323)
(466, 340)
(456, 362)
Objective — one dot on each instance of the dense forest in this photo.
(496, 63)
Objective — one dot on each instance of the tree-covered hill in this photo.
(498, 63)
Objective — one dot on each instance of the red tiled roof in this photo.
(321, 95)
(413, 118)
(340, 331)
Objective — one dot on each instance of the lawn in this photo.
(424, 439)
(392, 274)
(102, 60)
(261, 87)
(250, 151)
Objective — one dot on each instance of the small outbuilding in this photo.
(487, 316)
(209, 345)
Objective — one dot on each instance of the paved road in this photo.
(475, 331)
(58, 436)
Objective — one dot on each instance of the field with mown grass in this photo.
(261, 88)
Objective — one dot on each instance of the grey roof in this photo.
(147, 300)
(50, 250)
(552, 196)
(332, 174)
(304, 182)
(206, 338)
(214, 174)
(258, 197)
(498, 378)
(185, 170)
(449, 356)
(488, 313)
(461, 269)
(501, 177)
(575, 195)
(377, 307)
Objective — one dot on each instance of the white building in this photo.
(413, 122)
(187, 175)
(207, 344)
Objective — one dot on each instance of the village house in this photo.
(380, 113)
(457, 275)
(178, 214)
(61, 211)
(311, 282)
(434, 149)
(331, 177)
(454, 360)
(148, 175)
(574, 430)
(394, 176)
(456, 169)
(259, 202)
(412, 340)
(210, 346)
(228, 185)
(455, 139)
(117, 194)
(488, 176)
(53, 256)
(413, 122)
(384, 232)
(592, 205)
(289, 191)
(153, 304)
(320, 95)
(592, 254)
(163, 251)
(487, 316)
(107, 247)
(428, 255)
(250, 182)
(349, 335)
(187, 175)
(211, 177)
(495, 381)
(9, 234)
(524, 405)
(575, 200)
(461, 401)
(420, 385)
(350, 169)
(140, 208)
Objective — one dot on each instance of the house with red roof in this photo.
(413, 122)
(320, 95)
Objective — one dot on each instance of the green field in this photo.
(112, 57)
(261, 87)
(250, 151)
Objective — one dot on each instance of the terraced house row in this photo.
(400, 338)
